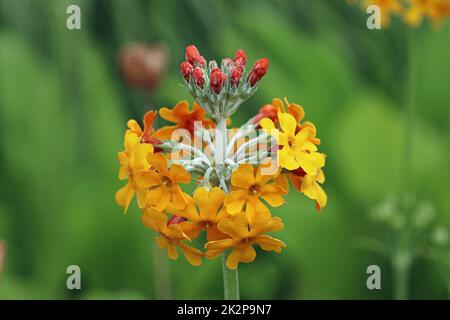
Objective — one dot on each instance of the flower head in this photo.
(435, 10)
(249, 185)
(242, 235)
(172, 235)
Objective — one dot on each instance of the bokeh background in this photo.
(64, 107)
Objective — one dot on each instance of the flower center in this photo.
(166, 182)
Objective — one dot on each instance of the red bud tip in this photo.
(259, 70)
(226, 62)
(198, 77)
(241, 57)
(186, 70)
(217, 79)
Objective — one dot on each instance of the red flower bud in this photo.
(259, 70)
(186, 69)
(235, 76)
(217, 80)
(175, 220)
(198, 77)
(241, 57)
(193, 56)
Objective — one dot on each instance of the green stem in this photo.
(230, 281)
(401, 265)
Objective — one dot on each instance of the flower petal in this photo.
(243, 176)
(124, 196)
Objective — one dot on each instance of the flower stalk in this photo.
(230, 280)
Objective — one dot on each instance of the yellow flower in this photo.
(248, 186)
(242, 237)
(297, 149)
(134, 166)
(163, 183)
(210, 211)
(387, 7)
(183, 118)
(171, 236)
(435, 10)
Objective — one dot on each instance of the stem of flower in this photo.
(230, 281)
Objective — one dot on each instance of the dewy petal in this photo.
(178, 174)
(287, 123)
(236, 226)
(124, 196)
(243, 176)
(235, 200)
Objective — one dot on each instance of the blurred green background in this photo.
(64, 107)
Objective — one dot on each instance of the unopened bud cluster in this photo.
(220, 90)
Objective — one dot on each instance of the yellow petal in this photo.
(192, 255)
(243, 176)
(233, 259)
(124, 196)
(235, 201)
(146, 179)
(248, 254)
(236, 226)
(272, 193)
(286, 158)
(178, 198)
(268, 243)
(178, 174)
(287, 123)
(154, 220)
(159, 162)
(209, 202)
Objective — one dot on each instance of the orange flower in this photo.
(163, 183)
(242, 236)
(183, 118)
(173, 235)
(210, 211)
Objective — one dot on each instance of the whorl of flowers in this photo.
(413, 12)
(239, 174)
